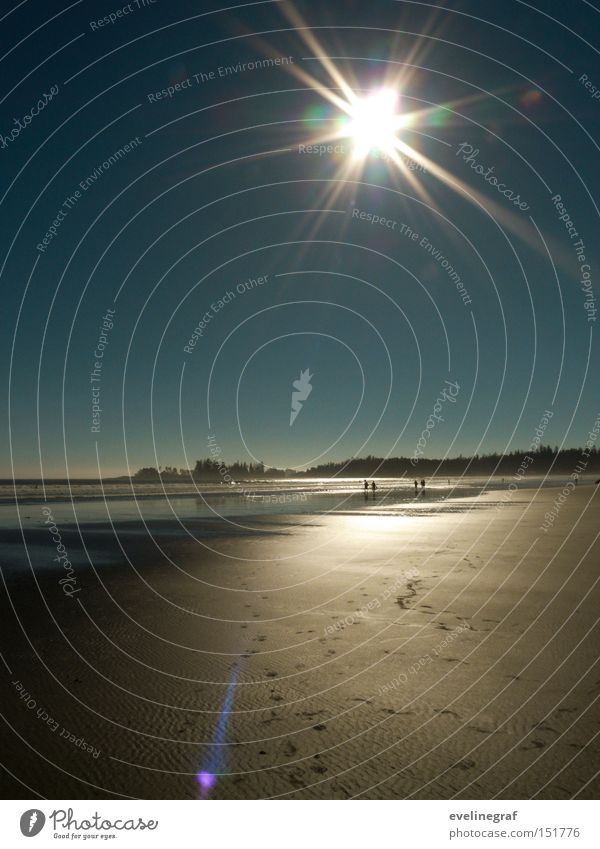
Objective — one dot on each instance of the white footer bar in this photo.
(302, 824)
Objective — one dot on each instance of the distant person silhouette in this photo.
(373, 486)
(576, 479)
(422, 484)
(416, 487)
(366, 486)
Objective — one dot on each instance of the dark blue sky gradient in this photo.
(204, 204)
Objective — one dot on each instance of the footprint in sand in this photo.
(543, 726)
(402, 600)
(533, 744)
(479, 729)
(467, 763)
(391, 711)
(289, 749)
(319, 727)
(296, 778)
(272, 718)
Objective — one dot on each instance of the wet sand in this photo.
(451, 651)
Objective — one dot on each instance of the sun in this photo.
(374, 121)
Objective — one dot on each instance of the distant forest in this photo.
(544, 459)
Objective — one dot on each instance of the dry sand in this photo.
(449, 652)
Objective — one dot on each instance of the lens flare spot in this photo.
(530, 98)
(206, 780)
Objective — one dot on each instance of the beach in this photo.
(444, 649)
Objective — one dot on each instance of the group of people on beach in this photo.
(373, 486)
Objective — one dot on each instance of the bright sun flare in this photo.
(374, 122)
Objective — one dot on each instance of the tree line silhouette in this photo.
(545, 459)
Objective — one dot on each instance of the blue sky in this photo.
(214, 192)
